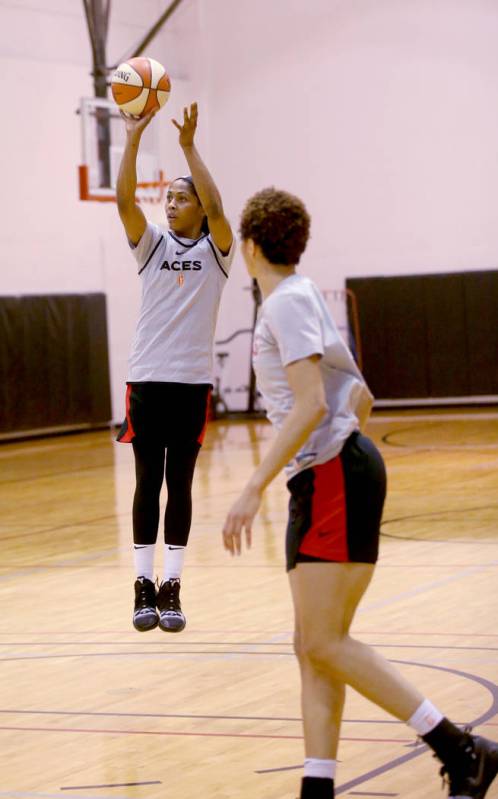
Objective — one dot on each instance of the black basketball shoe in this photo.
(145, 615)
(171, 618)
(475, 770)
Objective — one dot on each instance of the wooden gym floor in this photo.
(90, 709)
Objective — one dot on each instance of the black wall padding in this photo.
(481, 303)
(54, 363)
(429, 336)
(447, 355)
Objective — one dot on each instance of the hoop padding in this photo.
(109, 195)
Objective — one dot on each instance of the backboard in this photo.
(102, 141)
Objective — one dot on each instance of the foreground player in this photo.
(183, 272)
(318, 401)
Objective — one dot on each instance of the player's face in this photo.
(183, 210)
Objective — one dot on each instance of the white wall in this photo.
(49, 240)
(381, 114)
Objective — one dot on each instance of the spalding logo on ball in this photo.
(140, 85)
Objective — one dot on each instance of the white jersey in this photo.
(182, 281)
(295, 323)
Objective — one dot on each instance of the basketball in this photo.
(140, 85)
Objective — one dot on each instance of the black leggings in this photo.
(150, 471)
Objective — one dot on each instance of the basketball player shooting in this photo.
(183, 272)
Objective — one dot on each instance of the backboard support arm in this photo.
(151, 34)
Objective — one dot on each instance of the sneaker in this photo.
(476, 769)
(145, 615)
(171, 618)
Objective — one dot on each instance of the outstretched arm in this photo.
(210, 198)
(130, 212)
(310, 406)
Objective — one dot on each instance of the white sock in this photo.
(174, 558)
(143, 557)
(325, 769)
(425, 718)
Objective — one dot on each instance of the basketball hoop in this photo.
(97, 174)
(148, 191)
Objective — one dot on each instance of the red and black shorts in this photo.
(335, 508)
(165, 413)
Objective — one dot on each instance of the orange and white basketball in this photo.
(140, 85)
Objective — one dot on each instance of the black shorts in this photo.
(165, 413)
(335, 508)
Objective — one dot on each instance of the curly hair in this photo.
(278, 223)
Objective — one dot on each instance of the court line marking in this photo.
(447, 512)
(424, 588)
(387, 439)
(283, 768)
(35, 478)
(447, 448)
(68, 563)
(225, 644)
(221, 654)
(483, 542)
(185, 734)
(111, 785)
(32, 795)
(369, 793)
(492, 711)
(276, 633)
(365, 609)
(491, 687)
(62, 527)
(420, 747)
(195, 716)
(357, 793)
(249, 644)
(78, 439)
(38, 567)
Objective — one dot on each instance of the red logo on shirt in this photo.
(180, 280)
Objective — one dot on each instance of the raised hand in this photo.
(187, 130)
(137, 125)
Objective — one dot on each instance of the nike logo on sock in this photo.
(175, 547)
(141, 547)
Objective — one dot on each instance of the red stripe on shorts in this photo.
(327, 536)
(130, 433)
(208, 408)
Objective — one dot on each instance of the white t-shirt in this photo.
(295, 323)
(182, 280)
